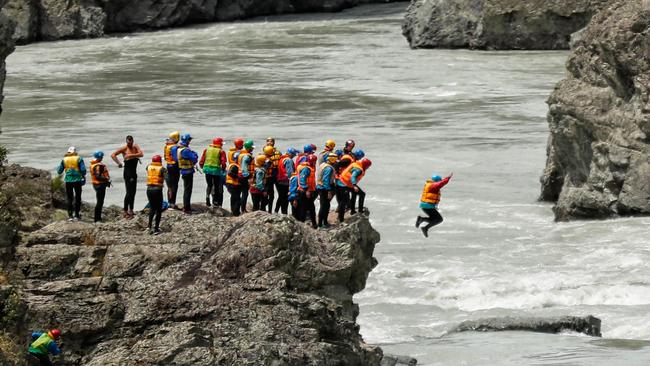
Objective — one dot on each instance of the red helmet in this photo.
(349, 144)
(312, 159)
(366, 163)
(314, 147)
(239, 143)
(55, 333)
(156, 159)
(218, 141)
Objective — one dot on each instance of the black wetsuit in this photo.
(73, 193)
(131, 183)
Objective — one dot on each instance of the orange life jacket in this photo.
(231, 153)
(251, 164)
(232, 179)
(169, 158)
(155, 176)
(346, 175)
(427, 195)
(97, 177)
(311, 180)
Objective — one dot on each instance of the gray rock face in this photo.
(497, 24)
(588, 325)
(259, 289)
(7, 45)
(599, 118)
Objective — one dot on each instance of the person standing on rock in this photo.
(358, 155)
(274, 155)
(293, 196)
(213, 163)
(325, 187)
(323, 156)
(186, 159)
(285, 170)
(233, 185)
(75, 177)
(429, 202)
(101, 180)
(258, 188)
(348, 182)
(43, 344)
(246, 172)
(173, 174)
(155, 182)
(131, 153)
(307, 189)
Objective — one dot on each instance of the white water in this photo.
(351, 75)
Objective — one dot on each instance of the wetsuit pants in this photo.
(270, 193)
(215, 188)
(307, 207)
(100, 195)
(343, 197)
(259, 201)
(43, 360)
(235, 197)
(155, 196)
(353, 200)
(188, 183)
(173, 176)
(244, 194)
(73, 194)
(433, 217)
(324, 209)
(282, 204)
(131, 184)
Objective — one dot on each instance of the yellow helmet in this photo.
(269, 150)
(332, 158)
(175, 136)
(260, 160)
(330, 144)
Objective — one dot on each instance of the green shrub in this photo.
(57, 183)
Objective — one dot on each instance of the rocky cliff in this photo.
(259, 289)
(7, 44)
(45, 20)
(599, 146)
(497, 24)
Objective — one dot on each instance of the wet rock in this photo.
(599, 119)
(588, 325)
(496, 24)
(397, 360)
(7, 45)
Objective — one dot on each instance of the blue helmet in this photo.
(293, 151)
(359, 154)
(185, 138)
(436, 178)
(308, 149)
(98, 154)
(339, 152)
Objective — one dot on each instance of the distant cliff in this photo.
(599, 145)
(497, 24)
(46, 20)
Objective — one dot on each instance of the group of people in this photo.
(298, 177)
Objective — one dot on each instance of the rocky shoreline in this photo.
(212, 289)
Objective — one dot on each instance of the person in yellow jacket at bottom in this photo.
(429, 202)
(155, 182)
(43, 344)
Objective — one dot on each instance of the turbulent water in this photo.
(307, 78)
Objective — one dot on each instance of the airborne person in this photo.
(429, 202)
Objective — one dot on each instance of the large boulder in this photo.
(497, 24)
(599, 145)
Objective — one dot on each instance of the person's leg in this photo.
(44, 360)
(256, 198)
(270, 194)
(152, 206)
(209, 179)
(234, 199)
(158, 206)
(69, 193)
(302, 206)
(188, 182)
(244, 195)
(352, 204)
(295, 209)
(172, 188)
(362, 199)
(77, 200)
(100, 191)
(434, 218)
(343, 197)
(133, 188)
(217, 199)
(322, 196)
(312, 209)
(283, 198)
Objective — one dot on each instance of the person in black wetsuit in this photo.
(131, 154)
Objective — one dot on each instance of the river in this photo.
(308, 78)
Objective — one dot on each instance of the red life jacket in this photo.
(282, 169)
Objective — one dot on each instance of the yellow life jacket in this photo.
(430, 197)
(321, 170)
(71, 162)
(213, 157)
(232, 179)
(182, 162)
(231, 155)
(155, 176)
(251, 164)
(169, 158)
(346, 175)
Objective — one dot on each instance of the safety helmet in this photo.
(260, 160)
(239, 143)
(269, 150)
(186, 138)
(332, 157)
(308, 149)
(156, 159)
(249, 145)
(72, 150)
(56, 334)
(349, 144)
(174, 136)
(338, 152)
(98, 154)
(270, 141)
(366, 163)
(312, 159)
(358, 154)
(436, 178)
(293, 151)
(330, 144)
(217, 141)
(314, 147)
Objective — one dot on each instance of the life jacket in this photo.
(346, 175)
(311, 180)
(41, 344)
(321, 171)
(253, 188)
(182, 162)
(71, 162)
(212, 164)
(428, 196)
(155, 176)
(231, 154)
(251, 164)
(282, 169)
(272, 170)
(231, 177)
(97, 177)
(322, 156)
(169, 158)
(299, 159)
